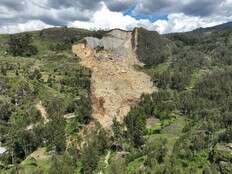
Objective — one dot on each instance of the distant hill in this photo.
(218, 28)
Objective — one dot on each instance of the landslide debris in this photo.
(115, 83)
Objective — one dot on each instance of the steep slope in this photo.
(115, 85)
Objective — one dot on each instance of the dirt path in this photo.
(42, 111)
(115, 84)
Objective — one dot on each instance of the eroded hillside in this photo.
(115, 84)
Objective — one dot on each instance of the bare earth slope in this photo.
(115, 84)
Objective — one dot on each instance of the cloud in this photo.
(179, 22)
(175, 22)
(51, 12)
(178, 15)
(201, 8)
(106, 19)
(12, 4)
(188, 7)
(21, 27)
(55, 12)
(81, 4)
(119, 5)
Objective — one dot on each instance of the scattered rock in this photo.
(115, 84)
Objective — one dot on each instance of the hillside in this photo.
(218, 28)
(79, 101)
(115, 83)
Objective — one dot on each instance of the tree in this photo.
(117, 166)
(180, 79)
(20, 141)
(117, 130)
(35, 74)
(226, 136)
(55, 107)
(3, 70)
(186, 102)
(84, 109)
(136, 125)
(163, 80)
(51, 80)
(24, 93)
(156, 151)
(62, 165)
(207, 170)
(96, 143)
(20, 45)
(55, 128)
(5, 110)
(55, 134)
(151, 47)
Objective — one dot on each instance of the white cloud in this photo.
(103, 18)
(106, 19)
(180, 22)
(22, 27)
(176, 22)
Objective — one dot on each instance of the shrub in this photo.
(20, 45)
(151, 48)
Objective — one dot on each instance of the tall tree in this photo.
(136, 125)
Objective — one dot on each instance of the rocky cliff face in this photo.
(114, 42)
(115, 85)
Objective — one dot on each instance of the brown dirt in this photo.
(39, 154)
(115, 84)
(42, 111)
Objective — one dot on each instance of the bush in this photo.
(5, 110)
(156, 151)
(96, 143)
(151, 48)
(20, 45)
(216, 86)
(226, 136)
(136, 125)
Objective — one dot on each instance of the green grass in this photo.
(135, 165)
(41, 45)
(175, 127)
(196, 77)
(30, 167)
(172, 131)
(156, 127)
(158, 69)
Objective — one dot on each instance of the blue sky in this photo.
(164, 16)
(150, 17)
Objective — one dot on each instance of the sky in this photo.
(164, 16)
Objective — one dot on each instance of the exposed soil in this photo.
(42, 111)
(39, 154)
(115, 84)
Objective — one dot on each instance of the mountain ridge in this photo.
(216, 28)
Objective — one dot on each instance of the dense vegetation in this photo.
(196, 85)
(31, 73)
(151, 48)
(185, 127)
